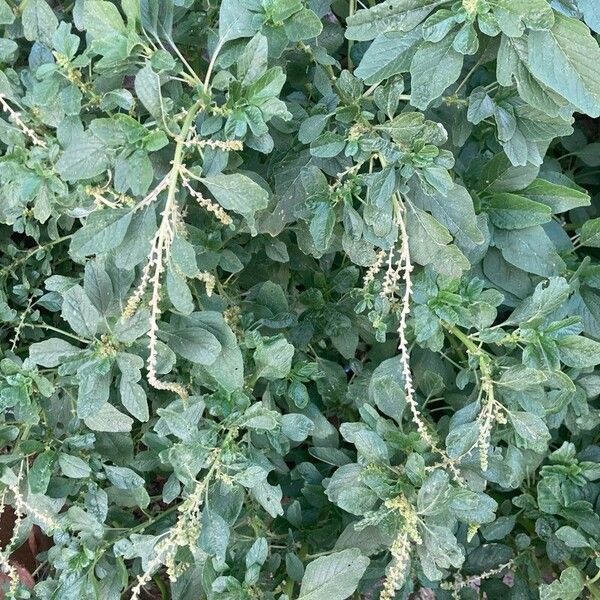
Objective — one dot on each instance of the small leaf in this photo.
(147, 88)
(590, 233)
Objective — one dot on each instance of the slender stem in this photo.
(178, 156)
(57, 330)
(211, 65)
(370, 90)
(160, 584)
(468, 75)
(351, 11)
(31, 253)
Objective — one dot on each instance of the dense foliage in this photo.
(301, 299)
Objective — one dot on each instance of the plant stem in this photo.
(468, 75)
(160, 584)
(466, 340)
(351, 11)
(31, 253)
(57, 330)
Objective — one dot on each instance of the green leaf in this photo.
(41, 471)
(252, 64)
(578, 351)
(179, 293)
(269, 497)
(590, 233)
(440, 549)
(461, 439)
(531, 250)
(521, 378)
(334, 577)
(386, 388)
(94, 388)
(51, 352)
(190, 341)
(569, 587)
(321, 226)
(435, 66)
(102, 20)
(6, 14)
(327, 145)
(429, 240)
(273, 358)
(559, 198)
(103, 230)
(571, 537)
(133, 398)
(109, 419)
(123, 477)
(433, 493)
(511, 211)
(214, 534)
(531, 429)
(79, 312)
(389, 54)
(591, 13)
(391, 15)
(546, 298)
(85, 157)
(311, 128)
(73, 466)
(238, 193)
(566, 59)
(147, 88)
(39, 22)
(228, 368)
(514, 15)
(499, 175)
(302, 25)
(454, 210)
(235, 21)
(297, 427)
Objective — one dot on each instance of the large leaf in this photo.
(531, 250)
(104, 230)
(567, 59)
(389, 54)
(559, 198)
(434, 67)
(238, 193)
(191, 340)
(39, 21)
(334, 577)
(511, 211)
(85, 157)
(391, 15)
